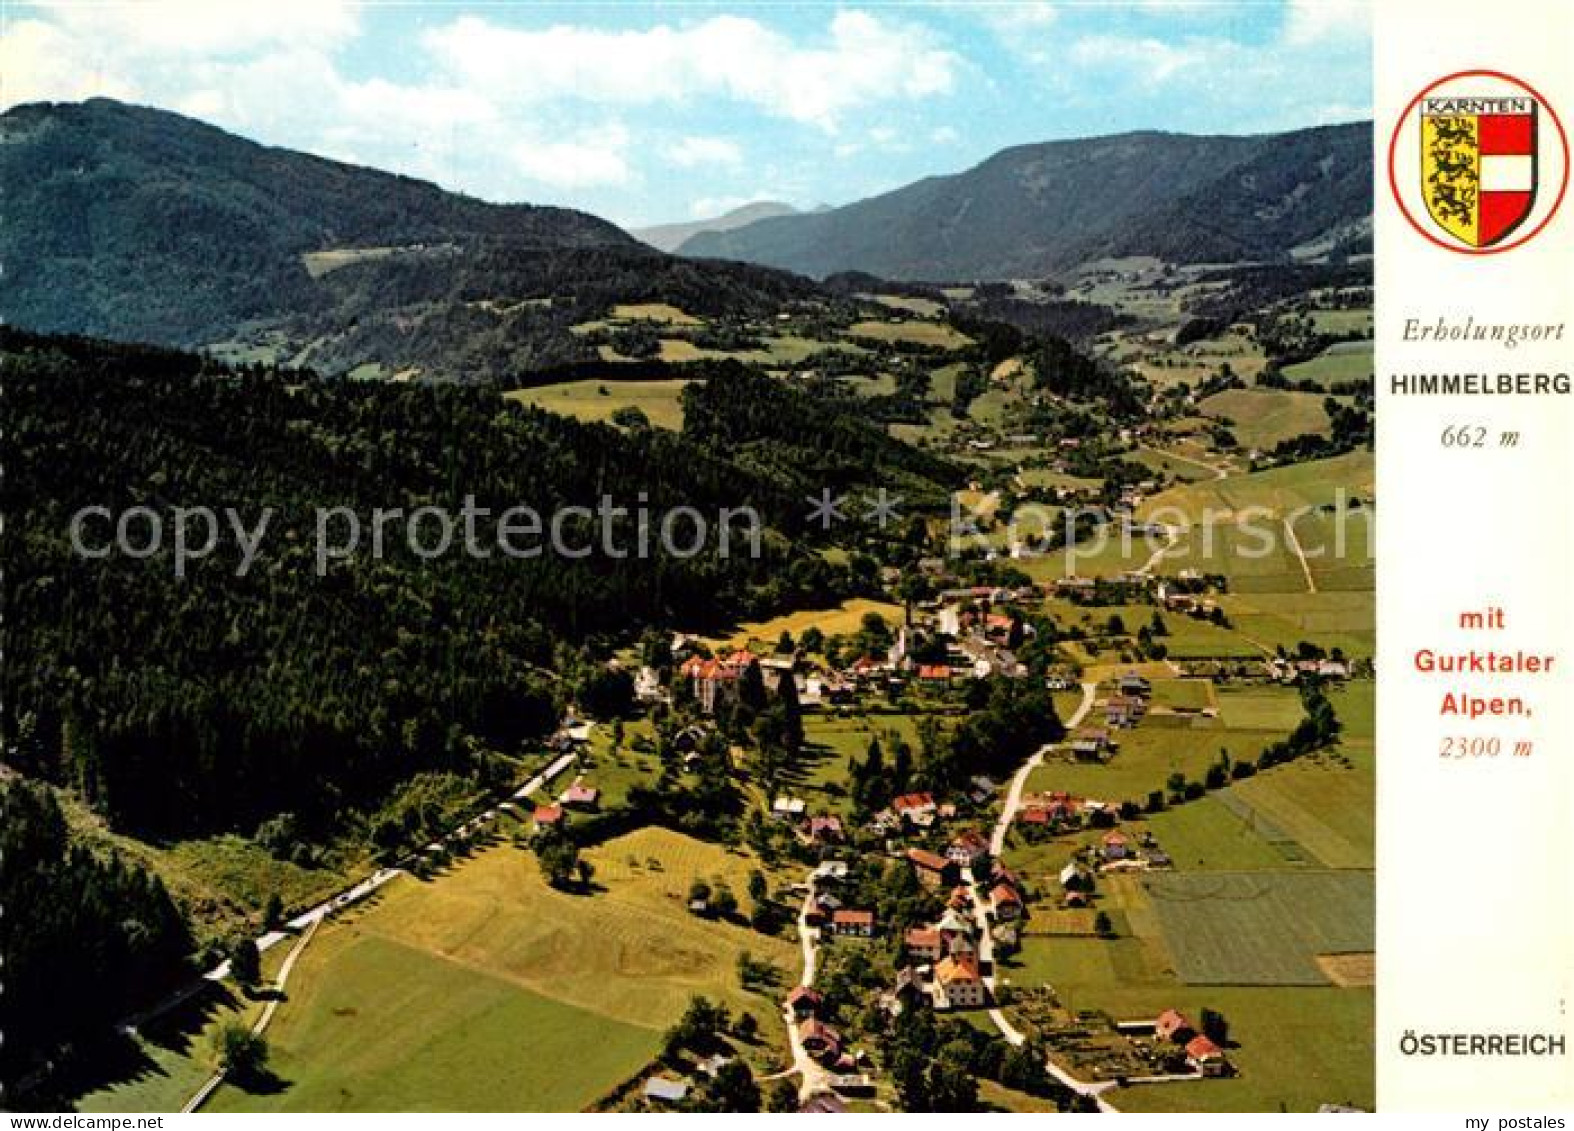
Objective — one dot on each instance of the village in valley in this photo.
(922, 901)
(1050, 814)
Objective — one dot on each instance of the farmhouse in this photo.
(1206, 1057)
(967, 849)
(1115, 845)
(788, 808)
(915, 808)
(933, 869)
(548, 816)
(1172, 1025)
(819, 1040)
(1005, 902)
(859, 924)
(1000, 874)
(804, 1002)
(823, 1103)
(956, 933)
(905, 994)
(1091, 744)
(1125, 710)
(1133, 684)
(958, 984)
(923, 943)
(828, 872)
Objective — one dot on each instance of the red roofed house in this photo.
(804, 1002)
(958, 984)
(856, 923)
(919, 808)
(1000, 874)
(1206, 1057)
(967, 848)
(1115, 845)
(866, 667)
(933, 869)
(922, 943)
(819, 1039)
(1172, 1025)
(934, 673)
(1005, 902)
(1034, 815)
(825, 828)
(548, 816)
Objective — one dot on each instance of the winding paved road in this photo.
(307, 920)
(261, 1025)
(1008, 812)
(814, 1078)
(986, 943)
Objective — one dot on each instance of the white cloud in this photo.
(597, 157)
(696, 151)
(1013, 18)
(40, 63)
(203, 27)
(944, 135)
(1152, 60)
(1318, 21)
(861, 59)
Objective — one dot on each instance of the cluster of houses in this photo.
(979, 645)
(1125, 708)
(1202, 1055)
(579, 796)
(1291, 671)
(1059, 811)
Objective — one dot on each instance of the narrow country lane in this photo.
(986, 943)
(814, 1079)
(307, 921)
(1008, 812)
(262, 1022)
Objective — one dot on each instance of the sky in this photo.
(651, 112)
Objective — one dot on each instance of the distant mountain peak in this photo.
(669, 237)
(1045, 207)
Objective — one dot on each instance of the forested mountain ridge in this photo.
(138, 224)
(212, 701)
(1034, 210)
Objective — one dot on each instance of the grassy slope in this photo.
(584, 400)
(486, 988)
(840, 620)
(1262, 418)
(379, 1025)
